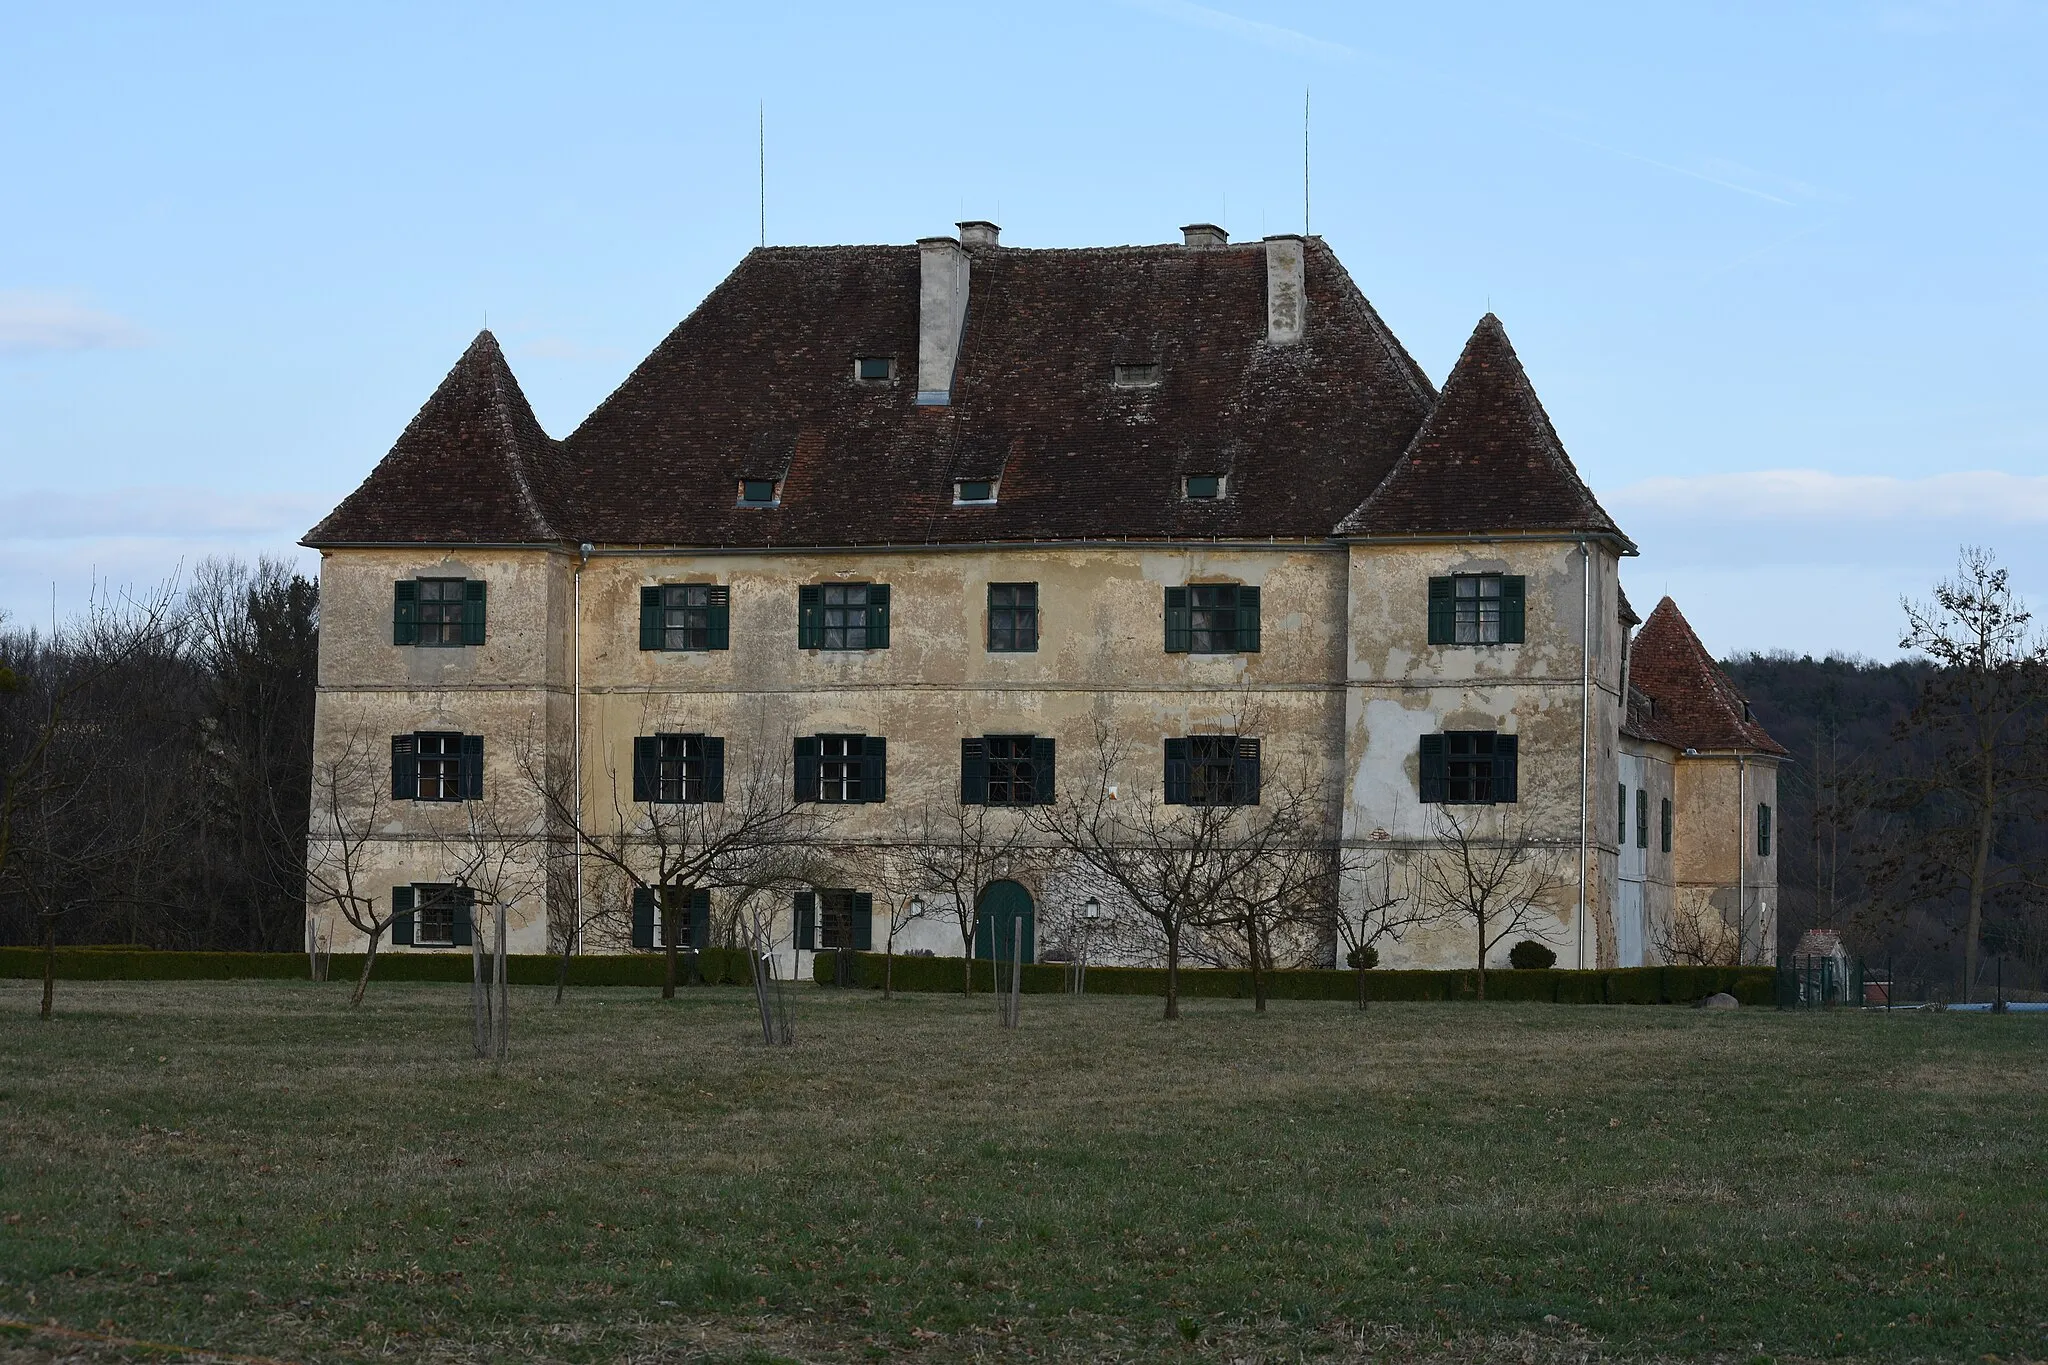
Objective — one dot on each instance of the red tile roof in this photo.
(1695, 705)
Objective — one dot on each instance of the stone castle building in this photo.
(909, 526)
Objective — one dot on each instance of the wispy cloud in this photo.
(159, 514)
(1251, 30)
(32, 321)
(1983, 496)
(1711, 179)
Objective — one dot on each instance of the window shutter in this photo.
(973, 772)
(405, 768)
(473, 612)
(878, 616)
(807, 768)
(1247, 620)
(1665, 842)
(1443, 612)
(714, 768)
(1507, 768)
(465, 917)
(700, 919)
(472, 769)
(863, 922)
(718, 619)
(651, 634)
(874, 768)
(646, 767)
(643, 917)
(1041, 769)
(810, 616)
(1179, 625)
(1621, 815)
(1177, 774)
(405, 612)
(1245, 773)
(1763, 831)
(401, 916)
(1642, 817)
(1511, 613)
(806, 919)
(1435, 771)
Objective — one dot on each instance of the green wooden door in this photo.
(1002, 906)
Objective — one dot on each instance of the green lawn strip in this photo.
(256, 1167)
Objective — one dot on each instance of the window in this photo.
(872, 369)
(1763, 831)
(1470, 768)
(841, 769)
(757, 492)
(848, 920)
(1204, 487)
(1665, 843)
(432, 915)
(435, 765)
(974, 490)
(1006, 770)
(1136, 376)
(1012, 618)
(1477, 609)
(685, 616)
(1642, 817)
(843, 616)
(1212, 770)
(678, 770)
(437, 611)
(686, 909)
(1621, 815)
(1212, 618)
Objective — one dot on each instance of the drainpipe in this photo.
(1585, 725)
(1741, 871)
(576, 728)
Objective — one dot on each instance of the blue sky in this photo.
(1777, 272)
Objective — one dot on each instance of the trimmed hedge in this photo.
(717, 966)
(1620, 986)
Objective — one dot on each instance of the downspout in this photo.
(576, 730)
(1585, 725)
(1742, 871)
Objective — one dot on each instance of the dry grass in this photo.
(257, 1169)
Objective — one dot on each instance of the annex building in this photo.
(904, 530)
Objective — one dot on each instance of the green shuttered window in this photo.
(1763, 831)
(842, 616)
(435, 765)
(1665, 842)
(685, 616)
(438, 611)
(1212, 770)
(1006, 770)
(651, 915)
(842, 769)
(678, 770)
(1477, 609)
(1470, 768)
(1212, 618)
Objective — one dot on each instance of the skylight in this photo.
(1136, 376)
(872, 368)
(1205, 487)
(759, 492)
(974, 490)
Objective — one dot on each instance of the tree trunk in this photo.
(668, 946)
(1987, 818)
(1361, 976)
(1251, 937)
(967, 960)
(369, 959)
(1173, 974)
(49, 963)
(1482, 956)
(889, 969)
(562, 971)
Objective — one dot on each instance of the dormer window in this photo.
(757, 492)
(1204, 487)
(1137, 375)
(873, 369)
(967, 492)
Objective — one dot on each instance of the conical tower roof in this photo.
(1695, 704)
(1486, 459)
(473, 467)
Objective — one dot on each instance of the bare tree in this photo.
(1486, 870)
(952, 851)
(350, 805)
(1687, 939)
(1375, 905)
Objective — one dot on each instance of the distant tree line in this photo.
(156, 755)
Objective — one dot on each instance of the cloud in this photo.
(32, 322)
(1266, 35)
(1980, 496)
(159, 514)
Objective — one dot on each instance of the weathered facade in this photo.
(871, 515)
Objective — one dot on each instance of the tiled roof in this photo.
(1487, 460)
(1695, 705)
(473, 467)
(762, 373)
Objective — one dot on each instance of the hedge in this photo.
(1619, 986)
(717, 966)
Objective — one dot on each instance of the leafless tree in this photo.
(1686, 939)
(1486, 870)
(950, 851)
(1378, 903)
(350, 806)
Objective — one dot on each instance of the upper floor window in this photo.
(1139, 375)
(834, 918)
(678, 770)
(1469, 768)
(437, 611)
(1664, 844)
(437, 765)
(1203, 487)
(757, 492)
(1006, 770)
(843, 616)
(842, 769)
(685, 616)
(655, 909)
(1621, 815)
(1212, 618)
(1212, 770)
(1476, 609)
(873, 369)
(432, 915)
(1763, 831)
(1012, 618)
(1642, 817)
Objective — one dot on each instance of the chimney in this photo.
(978, 232)
(1203, 234)
(941, 315)
(1286, 298)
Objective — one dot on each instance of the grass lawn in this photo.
(256, 1168)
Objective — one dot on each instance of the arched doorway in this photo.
(1001, 907)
